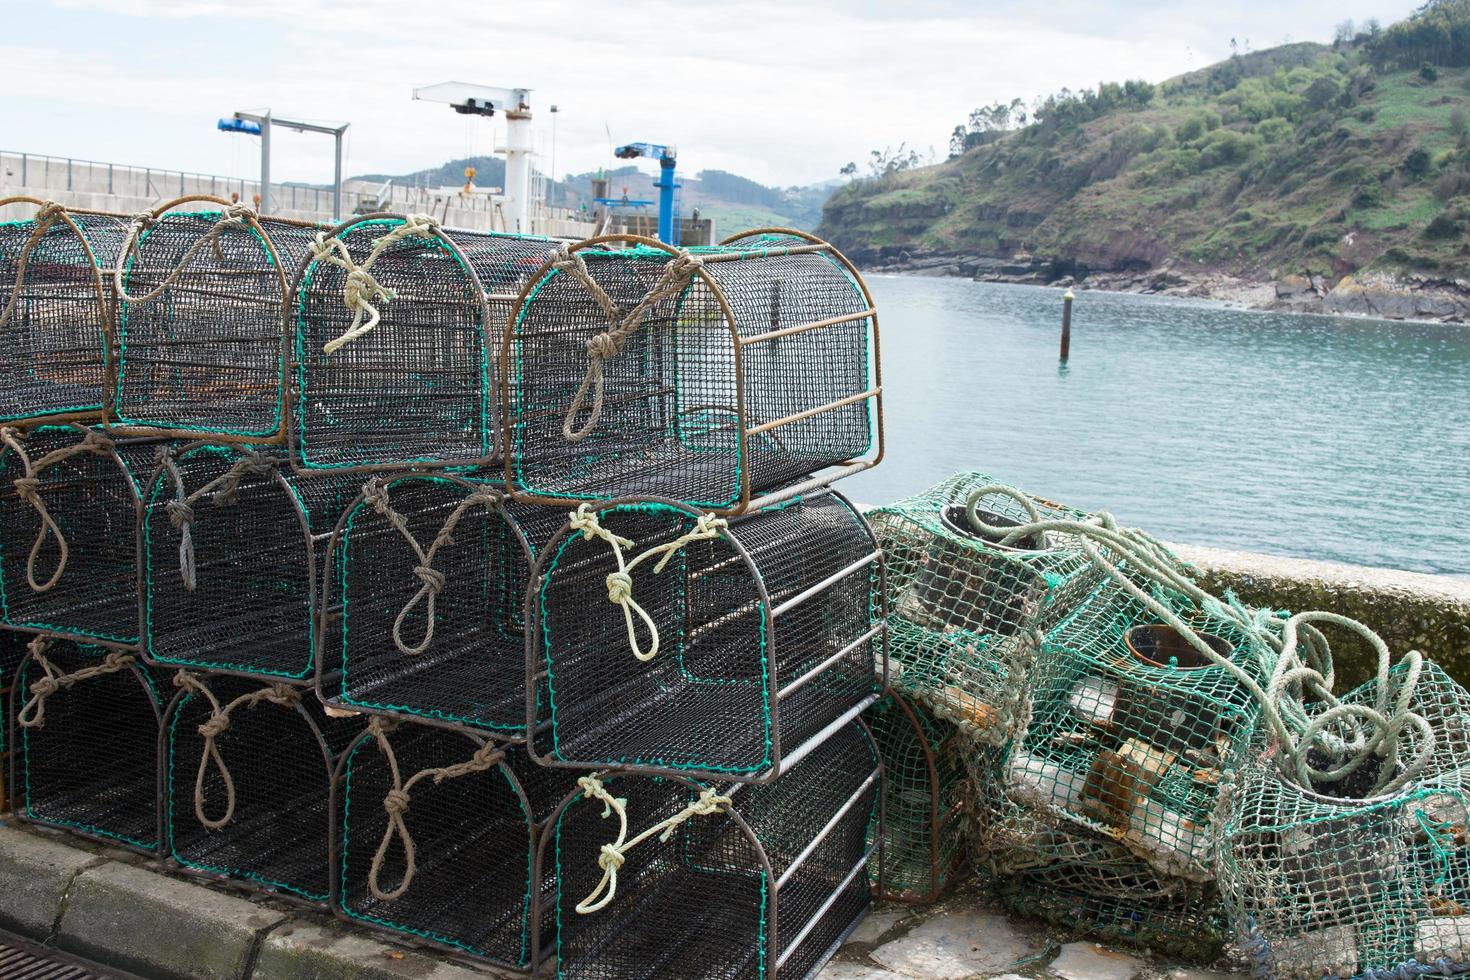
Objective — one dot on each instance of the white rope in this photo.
(620, 582)
(360, 291)
(611, 857)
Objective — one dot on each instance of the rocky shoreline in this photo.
(1373, 294)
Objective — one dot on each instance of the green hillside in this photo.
(1304, 158)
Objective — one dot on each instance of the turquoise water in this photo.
(1319, 437)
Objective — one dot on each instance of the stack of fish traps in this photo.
(1144, 762)
(489, 591)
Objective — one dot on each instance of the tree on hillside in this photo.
(1438, 34)
(1344, 33)
(888, 161)
(987, 124)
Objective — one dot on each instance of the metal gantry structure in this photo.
(260, 124)
(667, 157)
(515, 105)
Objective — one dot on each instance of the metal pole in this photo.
(265, 163)
(666, 231)
(337, 180)
(1067, 298)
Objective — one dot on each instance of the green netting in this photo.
(1130, 740)
(1043, 864)
(924, 817)
(964, 609)
(1322, 881)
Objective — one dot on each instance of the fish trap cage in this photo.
(1132, 730)
(965, 608)
(743, 640)
(667, 877)
(12, 651)
(233, 547)
(706, 376)
(201, 288)
(55, 310)
(437, 841)
(69, 504)
(424, 615)
(1324, 879)
(924, 814)
(395, 330)
(248, 773)
(85, 726)
(1043, 865)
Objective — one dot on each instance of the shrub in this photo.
(1273, 130)
(1416, 164)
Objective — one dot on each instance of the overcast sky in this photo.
(783, 92)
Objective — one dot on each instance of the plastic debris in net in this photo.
(704, 375)
(55, 310)
(69, 502)
(233, 547)
(675, 640)
(1334, 878)
(965, 608)
(86, 756)
(396, 325)
(667, 877)
(425, 604)
(247, 784)
(201, 288)
(924, 824)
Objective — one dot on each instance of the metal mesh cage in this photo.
(924, 813)
(1320, 881)
(69, 505)
(201, 298)
(86, 730)
(12, 650)
(1132, 731)
(738, 881)
(430, 630)
(473, 813)
(743, 641)
(965, 610)
(247, 784)
(233, 548)
(396, 325)
(704, 377)
(55, 309)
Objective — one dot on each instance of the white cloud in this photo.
(783, 92)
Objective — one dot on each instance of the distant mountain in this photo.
(1306, 159)
(736, 203)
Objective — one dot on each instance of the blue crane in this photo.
(667, 157)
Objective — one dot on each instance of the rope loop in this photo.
(28, 489)
(361, 293)
(620, 583)
(611, 857)
(221, 490)
(47, 214)
(602, 347)
(236, 215)
(216, 725)
(397, 799)
(33, 713)
(431, 580)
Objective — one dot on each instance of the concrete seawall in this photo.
(1429, 613)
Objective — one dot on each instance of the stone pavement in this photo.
(128, 912)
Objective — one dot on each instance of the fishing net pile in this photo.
(485, 590)
(1174, 768)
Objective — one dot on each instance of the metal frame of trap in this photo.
(537, 671)
(774, 959)
(106, 307)
(114, 353)
(745, 430)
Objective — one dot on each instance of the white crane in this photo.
(515, 105)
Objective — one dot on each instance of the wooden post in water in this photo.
(1067, 298)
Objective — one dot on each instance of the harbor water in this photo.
(1311, 436)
